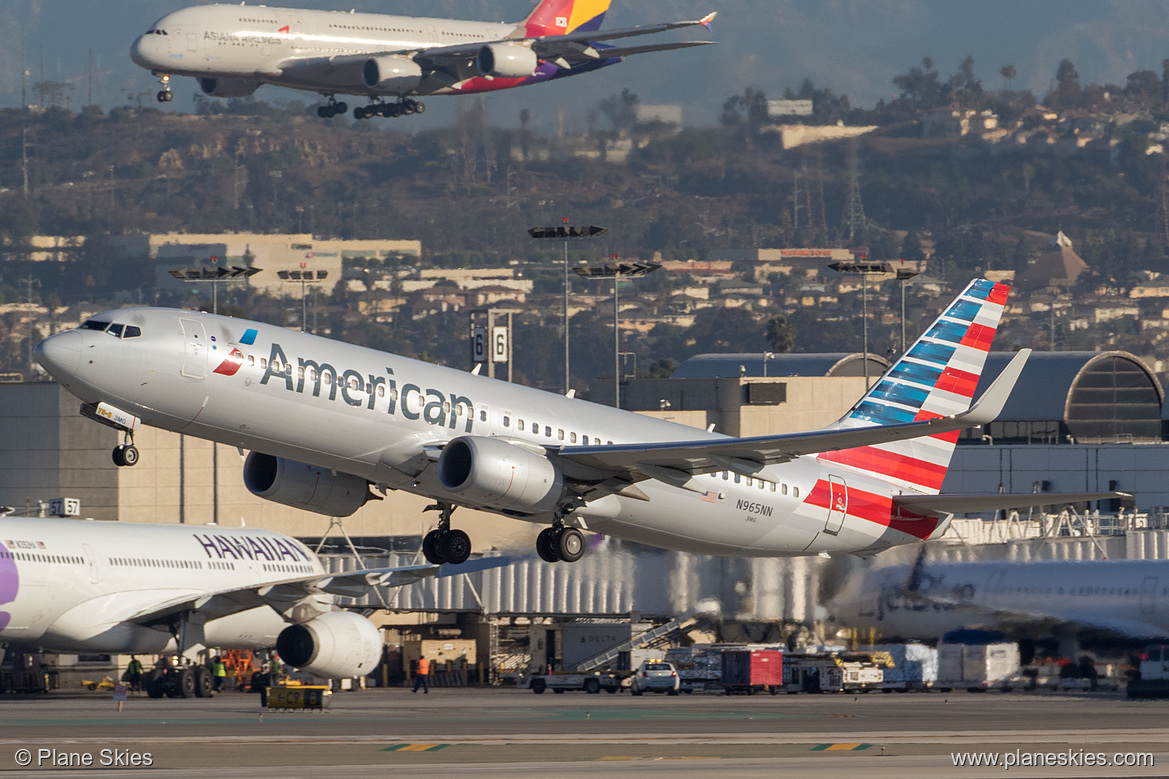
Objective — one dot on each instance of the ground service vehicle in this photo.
(752, 671)
(655, 676)
(558, 683)
(1154, 679)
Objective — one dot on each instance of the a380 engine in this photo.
(336, 645)
(493, 473)
(506, 60)
(228, 87)
(391, 74)
(304, 486)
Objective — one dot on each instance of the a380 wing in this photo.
(664, 460)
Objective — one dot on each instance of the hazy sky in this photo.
(851, 46)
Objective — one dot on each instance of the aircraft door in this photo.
(1148, 602)
(994, 587)
(837, 504)
(193, 41)
(91, 563)
(195, 348)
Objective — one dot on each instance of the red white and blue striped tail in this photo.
(935, 378)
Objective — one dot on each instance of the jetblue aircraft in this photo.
(325, 421)
(234, 49)
(119, 587)
(1121, 597)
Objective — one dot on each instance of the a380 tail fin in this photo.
(557, 17)
(935, 378)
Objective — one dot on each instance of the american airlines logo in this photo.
(356, 389)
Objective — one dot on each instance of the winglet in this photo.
(991, 404)
(706, 20)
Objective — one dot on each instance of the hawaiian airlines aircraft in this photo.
(84, 586)
(325, 421)
(234, 49)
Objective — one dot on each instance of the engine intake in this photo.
(336, 645)
(391, 74)
(228, 87)
(304, 486)
(506, 60)
(493, 473)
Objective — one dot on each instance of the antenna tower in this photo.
(853, 222)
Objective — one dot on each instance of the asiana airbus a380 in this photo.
(234, 49)
(325, 421)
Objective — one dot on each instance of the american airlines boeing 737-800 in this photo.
(325, 421)
(84, 586)
(234, 49)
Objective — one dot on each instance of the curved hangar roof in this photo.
(726, 366)
(1087, 395)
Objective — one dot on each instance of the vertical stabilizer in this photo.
(935, 378)
(557, 17)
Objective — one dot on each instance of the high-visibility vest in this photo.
(423, 667)
(220, 669)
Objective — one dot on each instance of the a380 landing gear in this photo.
(404, 107)
(444, 545)
(332, 109)
(126, 453)
(164, 95)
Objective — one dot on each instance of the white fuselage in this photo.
(74, 585)
(1123, 597)
(377, 415)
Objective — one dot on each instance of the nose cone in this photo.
(144, 51)
(60, 355)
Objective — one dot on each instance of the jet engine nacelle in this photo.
(391, 74)
(506, 60)
(493, 473)
(336, 645)
(228, 87)
(304, 486)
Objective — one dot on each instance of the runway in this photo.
(505, 732)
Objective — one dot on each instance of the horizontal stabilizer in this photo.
(974, 504)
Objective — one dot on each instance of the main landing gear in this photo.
(390, 110)
(164, 95)
(126, 453)
(559, 543)
(332, 109)
(444, 545)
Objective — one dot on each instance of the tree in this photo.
(1008, 72)
(920, 86)
(747, 111)
(780, 335)
(965, 86)
(620, 110)
(1067, 90)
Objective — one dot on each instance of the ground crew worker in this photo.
(422, 676)
(134, 673)
(218, 672)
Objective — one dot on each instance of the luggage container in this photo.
(749, 672)
(979, 667)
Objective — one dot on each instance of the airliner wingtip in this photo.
(991, 404)
(706, 20)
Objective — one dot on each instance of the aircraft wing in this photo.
(676, 461)
(974, 504)
(282, 595)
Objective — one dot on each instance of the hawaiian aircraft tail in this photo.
(935, 378)
(558, 17)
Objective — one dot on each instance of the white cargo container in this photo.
(978, 667)
(915, 666)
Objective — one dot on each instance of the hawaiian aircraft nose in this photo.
(60, 354)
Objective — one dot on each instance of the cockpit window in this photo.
(116, 330)
(94, 324)
(132, 331)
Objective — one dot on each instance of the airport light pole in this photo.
(904, 275)
(564, 233)
(305, 277)
(213, 276)
(864, 270)
(617, 271)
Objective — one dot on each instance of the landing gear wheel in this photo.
(203, 686)
(420, 108)
(125, 454)
(324, 112)
(546, 547)
(409, 107)
(340, 109)
(393, 110)
(456, 547)
(165, 96)
(359, 113)
(432, 548)
(155, 684)
(570, 544)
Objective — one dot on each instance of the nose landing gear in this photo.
(164, 95)
(444, 545)
(125, 453)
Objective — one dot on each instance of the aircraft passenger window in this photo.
(519, 424)
(446, 407)
(795, 492)
(381, 390)
(132, 331)
(585, 440)
(482, 416)
(736, 478)
(560, 434)
(264, 363)
(750, 482)
(773, 486)
(761, 484)
(548, 431)
(251, 360)
(507, 421)
(572, 438)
